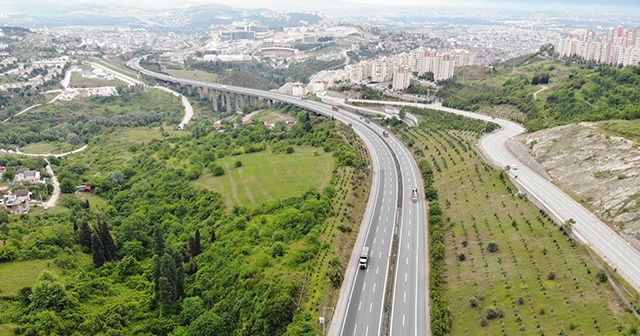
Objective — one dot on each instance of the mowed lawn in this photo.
(265, 176)
(17, 274)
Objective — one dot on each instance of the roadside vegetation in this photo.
(499, 265)
(150, 253)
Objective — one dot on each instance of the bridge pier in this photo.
(213, 96)
(227, 99)
(189, 89)
(201, 92)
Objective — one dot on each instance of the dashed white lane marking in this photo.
(360, 304)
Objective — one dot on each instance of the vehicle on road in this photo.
(335, 108)
(514, 167)
(364, 257)
(414, 194)
(385, 133)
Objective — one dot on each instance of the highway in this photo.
(360, 308)
(588, 228)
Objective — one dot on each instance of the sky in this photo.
(334, 6)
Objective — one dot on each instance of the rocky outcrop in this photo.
(600, 171)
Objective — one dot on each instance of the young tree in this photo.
(213, 235)
(198, 245)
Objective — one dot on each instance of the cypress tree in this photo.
(97, 249)
(107, 241)
(180, 273)
(192, 246)
(84, 236)
(168, 271)
(158, 240)
(213, 235)
(198, 245)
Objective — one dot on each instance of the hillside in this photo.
(575, 92)
(598, 166)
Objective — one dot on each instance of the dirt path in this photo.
(54, 155)
(542, 88)
(56, 187)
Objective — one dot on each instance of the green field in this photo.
(265, 176)
(193, 74)
(48, 148)
(18, 274)
(480, 207)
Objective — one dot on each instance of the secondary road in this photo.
(588, 228)
(360, 308)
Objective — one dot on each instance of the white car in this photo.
(514, 167)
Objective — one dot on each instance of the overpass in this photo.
(391, 216)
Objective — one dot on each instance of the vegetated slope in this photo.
(576, 92)
(508, 269)
(600, 169)
(169, 258)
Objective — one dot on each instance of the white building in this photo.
(401, 77)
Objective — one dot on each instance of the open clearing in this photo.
(17, 274)
(193, 74)
(540, 280)
(265, 176)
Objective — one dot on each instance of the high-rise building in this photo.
(401, 77)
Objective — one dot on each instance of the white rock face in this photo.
(601, 171)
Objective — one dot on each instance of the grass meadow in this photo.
(265, 176)
(540, 281)
(17, 274)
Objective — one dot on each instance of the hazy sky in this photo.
(335, 6)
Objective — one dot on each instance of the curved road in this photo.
(588, 228)
(360, 307)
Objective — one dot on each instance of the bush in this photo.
(602, 276)
(238, 164)
(492, 246)
(290, 150)
(473, 302)
(494, 313)
(461, 257)
(551, 275)
(216, 170)
(484, 321)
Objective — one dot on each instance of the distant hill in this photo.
(571, 93)
(190, 18)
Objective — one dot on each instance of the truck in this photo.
(364, 257)
(335, 108)
(385, 133)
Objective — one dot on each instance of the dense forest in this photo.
(575, 93)
(162, 257)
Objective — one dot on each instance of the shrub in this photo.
(551, 275)
(216, 170)
(484, 321)
(461, 257)
(602, 276)
(238, 164)
(520, 300)
(492, 246)
(290, 150)
(494, 313)
(473, 302)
